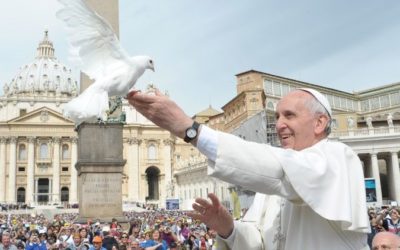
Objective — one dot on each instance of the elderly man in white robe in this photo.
(310, 191)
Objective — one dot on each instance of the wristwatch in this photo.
(192, 132)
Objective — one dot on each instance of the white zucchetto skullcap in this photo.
(320, 98)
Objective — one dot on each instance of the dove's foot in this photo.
(101, 121)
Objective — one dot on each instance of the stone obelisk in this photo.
(100, 166)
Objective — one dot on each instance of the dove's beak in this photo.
(152, 68)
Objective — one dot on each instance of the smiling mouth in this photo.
(286, 136)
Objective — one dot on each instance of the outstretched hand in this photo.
(162, 111)
(213, 214)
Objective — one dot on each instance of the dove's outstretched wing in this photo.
(92, 36)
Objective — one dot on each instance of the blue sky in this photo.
(199, 46)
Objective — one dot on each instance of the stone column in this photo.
(133, 169)
(395, 173)
(3, 141)
(100, 166)
(375, 174)
(12, 171)
(73, 198)
(30, 182)
(56, 169)
(167, 167)
(35, 195)
(51, 194)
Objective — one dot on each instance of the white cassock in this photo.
(315, 197)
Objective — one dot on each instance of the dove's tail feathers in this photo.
(87, 107)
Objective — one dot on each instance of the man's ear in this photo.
(320, 124)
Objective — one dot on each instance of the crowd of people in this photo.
(152, 229)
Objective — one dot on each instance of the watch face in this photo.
(191, 133)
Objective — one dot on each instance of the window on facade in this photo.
(375, 103)
(277, 89)
(65, 152)
(342, 102)
(350, 104)
(21, 195)
(64, 169)
(268, 86)
(21, 169)
(395, 98)
(22, 112)
(44, 151)
(384, 101)
(270, 106)
(22, 152)
(151, 152)
(285, 89)
(336, 101)
(64, 194)
(365, 105)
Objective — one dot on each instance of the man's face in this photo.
(5, 239)
(135, 245)
(77, 240)
(385, 240)
(97, 245)
(34, 237)
(296, 126)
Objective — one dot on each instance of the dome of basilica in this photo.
(45, 76)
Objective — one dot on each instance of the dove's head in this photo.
(144, 61)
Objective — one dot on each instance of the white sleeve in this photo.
(207, 143)
(244, 236)
(251, 165)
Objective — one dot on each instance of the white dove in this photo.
(102, 58)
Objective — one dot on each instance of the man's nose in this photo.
(280, 124)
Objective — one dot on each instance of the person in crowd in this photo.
(184, 233)
(391, 223)
(135, 245)
(65, 236)
(169, 236)
(124, 240)
(311, 190)
(192, 242)
(203, 244)
(386, 241)
(155, 243)
(97, 244)
(108, 240)
(114, 224)
(85, 235)
(34, 242)
(173, 246)
(6, 243)
(21, 245)
(52, 242)
(78, 243)
(43, 236)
